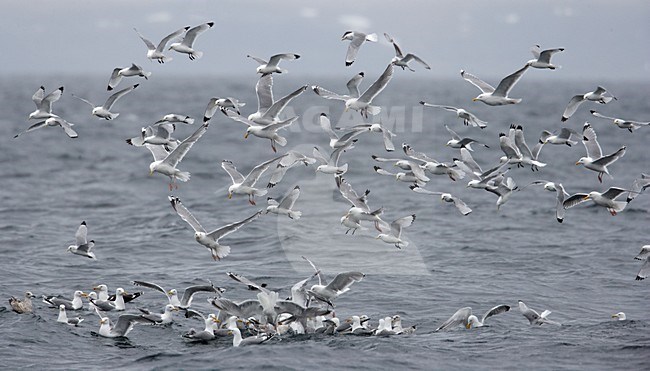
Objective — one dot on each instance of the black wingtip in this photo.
(210, 24)
(135, 86)
(564, 118)
(297, 56)
(559, 220)
(501, 135)
(422, 102)
(348, 64)
(323, 114)
(83, 223)
(376, 168)
(362, 74)
(109, 88)
(61, 88)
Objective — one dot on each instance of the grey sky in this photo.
(603, 39)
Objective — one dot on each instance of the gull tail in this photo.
(342, 169)
(372, 37)
(373, 110)
(295, 214)
(220, 252)
(197, 55)
(183, 176)
(260, 192)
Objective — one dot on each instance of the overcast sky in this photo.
(603, 39)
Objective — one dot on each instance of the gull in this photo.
(299, 315)
(335, 140)
(156, 52)
(160, 137)
(211, 321)
(175, 117)
(363, 102)
(265, 131)
(299, 293)
(52, 121)
(118, 73)
(393, 236)
(417, 170)
(163, 318)
(359, 209)
(402, 60)
(223, 104)
(432, 166)
(621, 123)
(595, 160)
(186, 46)
(620, 316)
(504, 190)
(639, 185)
(468, 118)
(123, 326)
(102, 294)
(457, 142)
(543, 57)
(244, 309)
(464, 317)
(563, 137)
(387, 135)
(446, 197)
(118, 303)
(356, 39)
(468, 166)
(104, 111)
(268, 109)
(22, 306)
(510, 149)
(606, 199)
(533, 317)
(499, 96)
(210, 239)
(407, 177)
(246, 185)
(267, 68)
(597, 95)
(165, 162)
(644, 272)
(341, 283)
(559, 192)
(188, 293)
(44, 103)
(359, 326)
(63, 318)
(238, 341)
(291, 159)
(396, 323)
(384, 328)
(331, 165)
(528, 156)
(82, 246)
(285, 205)
(74, 304)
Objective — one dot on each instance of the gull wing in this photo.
(37, 125)
(159, 152)
(452, 133)
(536, 50)
(378, 85)
(572, 107)
(230, 168)
(508, 82)
(644, 272)
(353, 85)
(150, 285)
(257, 59)
(545, 56)
(387, 136)
(67, 127)
(241, 279)
(336, 154)
(530, 314)
(229, 228)
(45, 104)
(606, 160)
(113, 98)
(398, 51)
(325, 124)
(115, 78)
(192, 33)
(458, 318)
(320, 280)
(502, 308)
(279, 105)
(590, 141)
(351, 195)
(602, 116)
(328, 94)
(614, 192)
(482, 85)
(37, 98)
(353, 48)
(147, 42)
(574, 200)
(290, 199)
(258, 170)
(264, 91)
(412, 57)
(81, 235)
(397, 225)
(520, 142)
(244, 309)
(468, 160)
(408, 150)
(274, 60)
(342, 282)
(179, 152)
(448, 108)
(559, 205)
(126, 321)
(163, 43)
(319, 156)
(185, 214)
(191, 290)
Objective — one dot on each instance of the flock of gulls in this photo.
(309, 308)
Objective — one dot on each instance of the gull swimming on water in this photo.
(156, 52)
(356, 39)
(52, 121)
(163, 318)
(210, 239)
(464, 317)
(82, 246)
(644, 272)
(402, 60)
(285, 205)
(363, 102)
(543, 57)
(533, 317)
(445, 197)
(621, 123)
(499, 96)
(597, 96)
(271, 66)
(468, 118)
(188, 293)
(595, 160)
(211, 324)
(44, 103)
(246, 184)
(118, 73)
(123, 326)
(165, 162)
(63, 317)
(22, 306)
(186, 46)
(620, 316)
(74, 304)
(115, 302)
(393, 236)
(104, 111)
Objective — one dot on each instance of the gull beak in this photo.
(175, 309)
(614, 316)
(84, 295)
(246, 136)
(150, 172)
(468, 326)
(586, 197)
(229, 196)
(346, 109)
(229, 332)
(474, 99)
(169, 293)
(577, 162)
